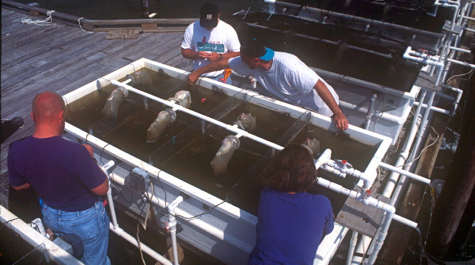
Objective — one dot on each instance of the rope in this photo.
(79, 22)
(46, 22)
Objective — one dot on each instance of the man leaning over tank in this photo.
(66, 178)
(282, 76)
(209, 40)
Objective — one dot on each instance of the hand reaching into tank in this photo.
(193, 77)
(340, 121)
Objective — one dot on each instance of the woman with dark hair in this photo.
(292, 222)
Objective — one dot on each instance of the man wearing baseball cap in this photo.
(282, 76)
(209, 40)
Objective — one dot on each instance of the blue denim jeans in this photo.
(92, 225)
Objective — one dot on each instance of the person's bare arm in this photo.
(219, 65)
(22, 187)
(102, 189)
(339, 118)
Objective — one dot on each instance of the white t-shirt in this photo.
(289, 80)
(221, 39)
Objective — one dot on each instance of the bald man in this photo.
(65, 176)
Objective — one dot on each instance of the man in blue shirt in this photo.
(65, 176)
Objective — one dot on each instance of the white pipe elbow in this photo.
(172, 206)
(324, 158)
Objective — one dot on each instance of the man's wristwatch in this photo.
(220, 57)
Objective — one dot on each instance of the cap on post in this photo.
(209, 15)
(254, 48)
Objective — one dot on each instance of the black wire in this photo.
(122, 195)
(100, 156)
(6, 222)
(177, 215)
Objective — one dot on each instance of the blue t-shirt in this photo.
(61, 172)
(290, 227)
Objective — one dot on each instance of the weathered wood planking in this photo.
(61, 58)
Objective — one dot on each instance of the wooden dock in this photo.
(62, 58)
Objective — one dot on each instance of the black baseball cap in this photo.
(254, 48)
(209, 15)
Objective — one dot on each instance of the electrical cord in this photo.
(9, 221)
(177, 215)
(422, 151)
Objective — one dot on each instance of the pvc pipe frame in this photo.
(324, 158)
(393, 178)
(172, 223)
(198, 115)
(114, 226)
(402, 180)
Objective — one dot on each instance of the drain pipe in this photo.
(172, 223)
(114, 226)
(228, 127)
(457, 98)
(393, 178)
(370, 112)
(351, 250)
(402, 180)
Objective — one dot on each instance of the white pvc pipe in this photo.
(172, 222)
(342, 167)
(333, 171)
(393, 178)
(422, 57)
(457, 99)
(381, 236)
(51, 251)
(402, 180)
(447, 3)
(323, 158)
(405, 173)
(364, 198)
(120, 232)
(363, 244)
(370, 112)
(436, 109)
(351, 250)
(228, 127)
(461, 63)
